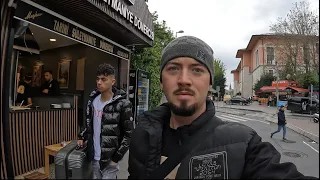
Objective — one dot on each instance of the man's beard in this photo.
(183, 109)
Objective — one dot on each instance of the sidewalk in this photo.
(299, 123)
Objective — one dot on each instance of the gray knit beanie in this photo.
(188, 46)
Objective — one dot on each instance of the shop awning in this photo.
(299, 89)
(109, 24)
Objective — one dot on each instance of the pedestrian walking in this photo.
(269, 101)
(281, 123)
(183, 139)
(109, 125)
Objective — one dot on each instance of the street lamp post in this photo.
(181, 31)
(277, 86)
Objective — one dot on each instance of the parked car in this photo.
(238, 100)
(302, 105)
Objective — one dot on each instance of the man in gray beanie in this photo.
(183, 139)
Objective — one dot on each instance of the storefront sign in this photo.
(123, 10)
(33, 15)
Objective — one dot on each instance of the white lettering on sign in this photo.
(123, 54)
(105, 46)
(123, 10)
(84, 37)
(61, 27)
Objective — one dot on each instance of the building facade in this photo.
(262, 55)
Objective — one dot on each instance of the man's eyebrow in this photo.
(192, 65)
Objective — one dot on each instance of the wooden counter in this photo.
(32, 130)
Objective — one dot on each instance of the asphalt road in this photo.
(303, 153)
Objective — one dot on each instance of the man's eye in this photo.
(172, 68)
(198, 70)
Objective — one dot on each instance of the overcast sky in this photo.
(226, 25)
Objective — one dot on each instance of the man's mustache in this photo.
(178, 91)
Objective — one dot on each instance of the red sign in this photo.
(285, 83)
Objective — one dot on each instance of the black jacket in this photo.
(232, 151)
(281, 118)
(53, 87)
(116, 127)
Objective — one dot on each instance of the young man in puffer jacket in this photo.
(109, 125)
(221, 151)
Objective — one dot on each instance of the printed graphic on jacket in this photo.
(209, 166)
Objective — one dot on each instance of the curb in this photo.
(298, 130)
(240, 109)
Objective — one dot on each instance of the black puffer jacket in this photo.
(231, 151)
(116, 127)
(281, 117)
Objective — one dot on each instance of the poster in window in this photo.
(63, 73)
(36, 74)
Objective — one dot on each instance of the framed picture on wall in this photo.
(37, 74)
(63, 73)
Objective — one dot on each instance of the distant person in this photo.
(209, 96)
(269, 101)
(24, 92)
(281, 123)
(51, 86)
(184, 139)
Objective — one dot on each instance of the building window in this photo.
(270, 55)
(257, 58)
(270, 72)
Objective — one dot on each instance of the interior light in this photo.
(53, 40)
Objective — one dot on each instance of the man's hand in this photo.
(113, 163)
(45, 91)
(80, 143)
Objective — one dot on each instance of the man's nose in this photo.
(184, 77)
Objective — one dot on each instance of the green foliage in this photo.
(309, 78)
(219, 76)
(265, 80)
(149, 59)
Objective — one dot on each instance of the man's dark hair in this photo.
(105, 69)
(48, 71)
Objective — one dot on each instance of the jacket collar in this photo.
(117, 94)
(162, 114)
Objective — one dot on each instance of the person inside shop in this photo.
(51, 86)
(24, 92)
(183, 139)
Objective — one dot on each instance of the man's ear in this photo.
(113, 81)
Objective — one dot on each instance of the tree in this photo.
(265, 80)
(219, 76)
(309, 78)
(149, 58)
(299, 32)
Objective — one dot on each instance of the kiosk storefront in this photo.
(70, 38)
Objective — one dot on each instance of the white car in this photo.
(316, 117)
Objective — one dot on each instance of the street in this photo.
(303, 153)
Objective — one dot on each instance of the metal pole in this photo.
(277, 86)
(311, 92)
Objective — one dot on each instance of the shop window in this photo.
(270, 55)
(123, 74)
